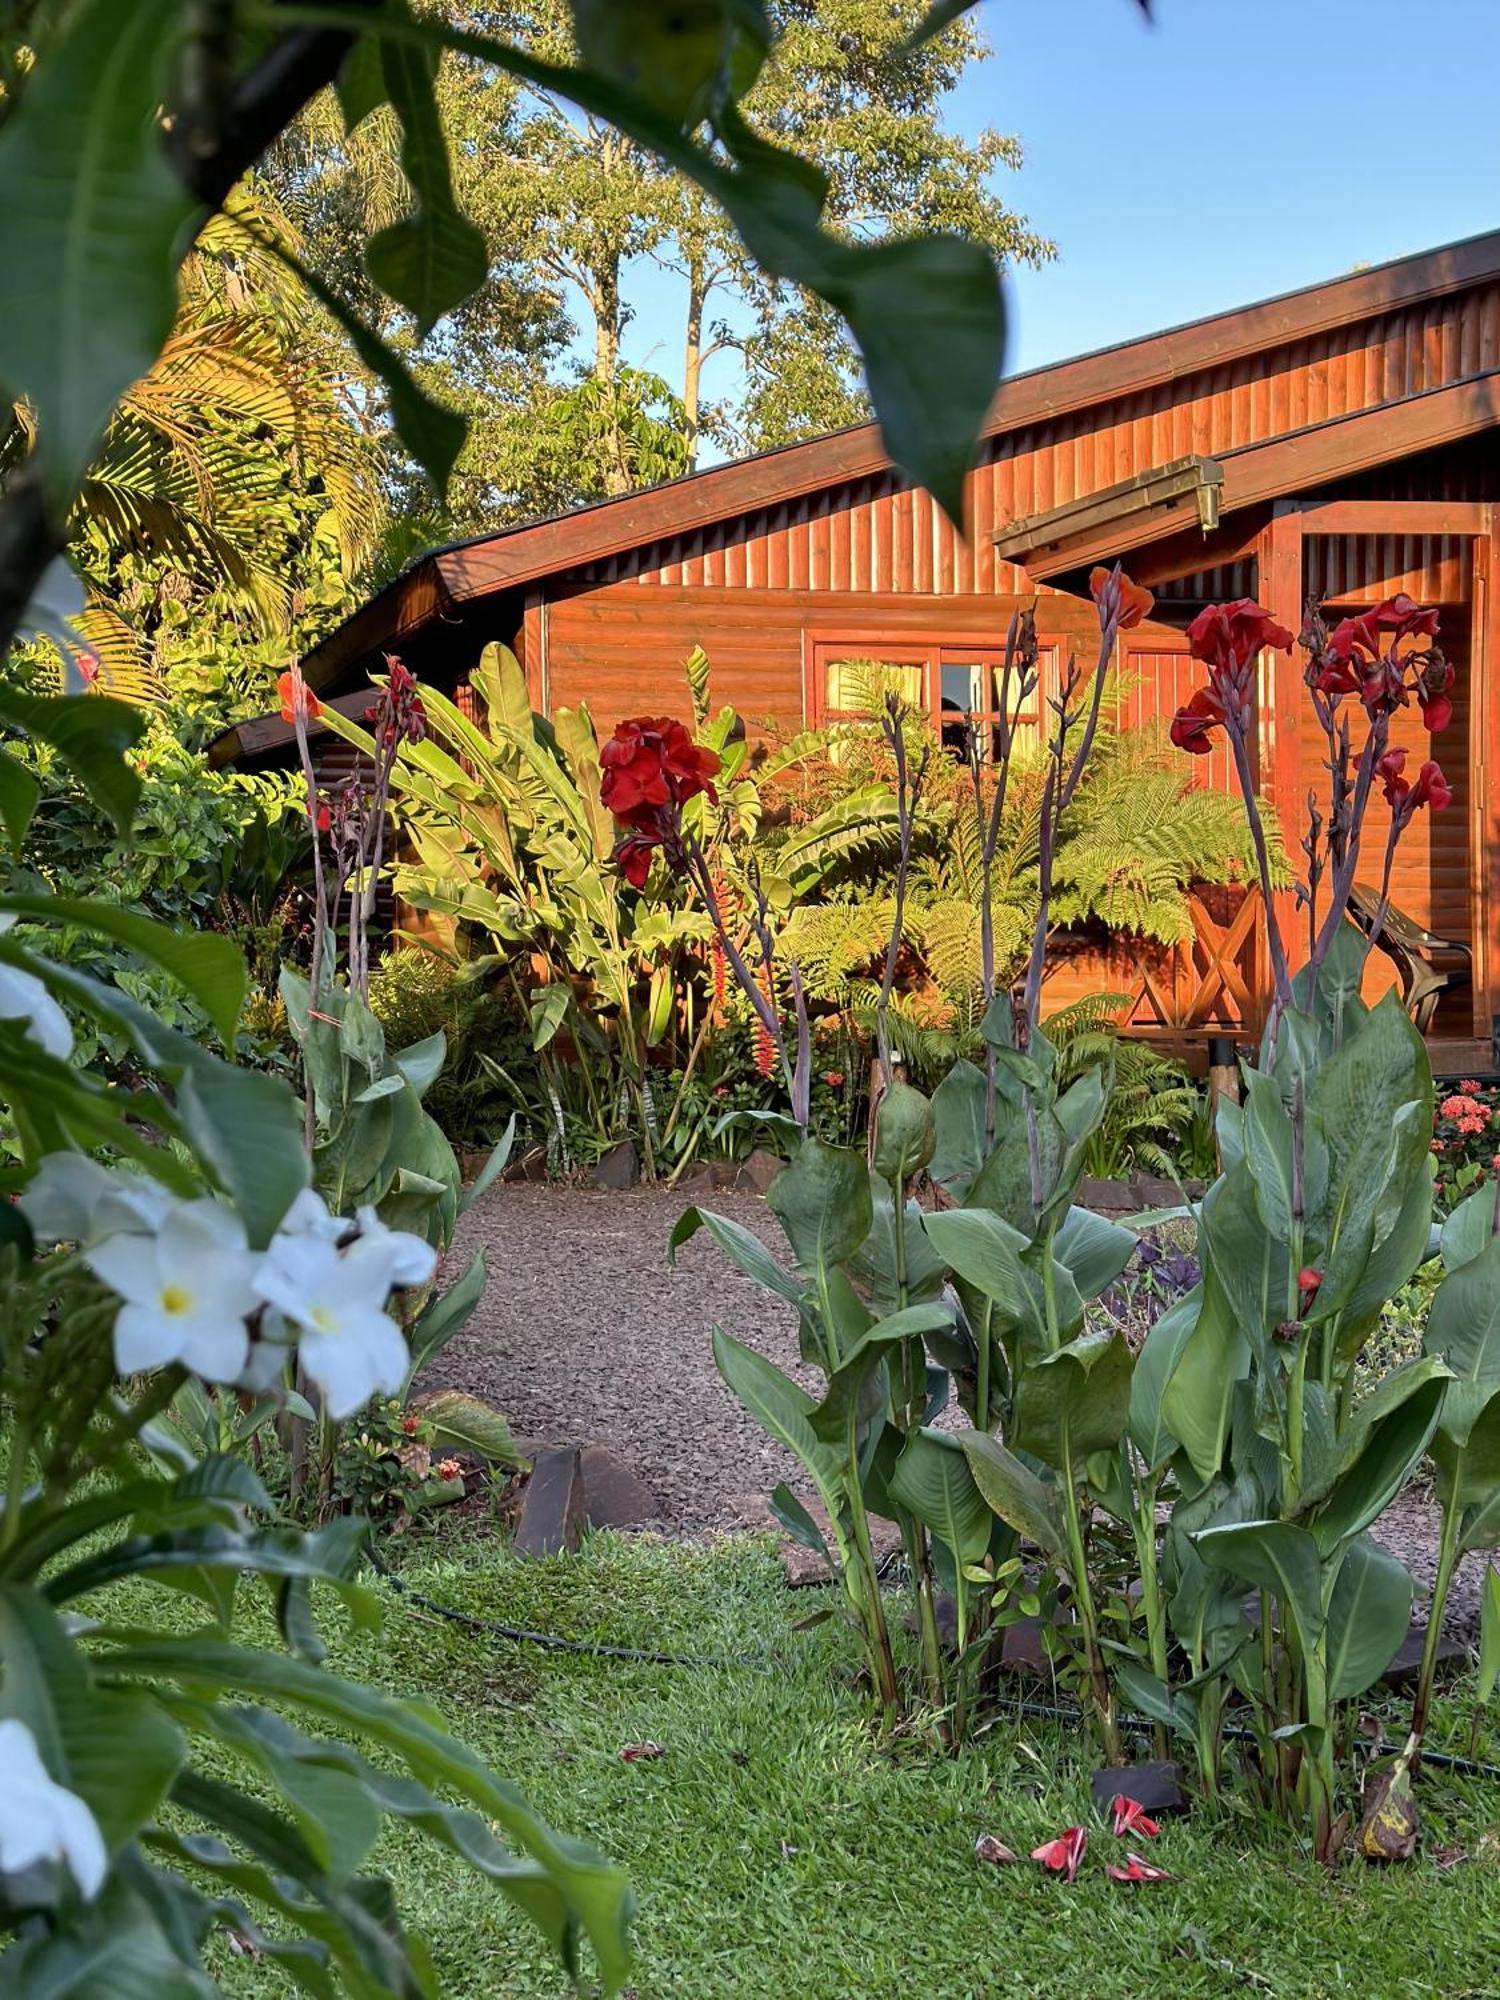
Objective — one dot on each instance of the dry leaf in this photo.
(1388, 1831)
(987, 1848)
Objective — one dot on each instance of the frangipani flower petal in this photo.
(1128, 1815)
(41, 1820)
(1137, 1870)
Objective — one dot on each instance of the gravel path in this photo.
(585, 1336)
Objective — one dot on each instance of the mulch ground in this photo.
(585, 1336)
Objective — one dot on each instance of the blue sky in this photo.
(1236, 149)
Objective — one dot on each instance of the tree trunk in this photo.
(692, 364)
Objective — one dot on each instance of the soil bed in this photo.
(585, 1336)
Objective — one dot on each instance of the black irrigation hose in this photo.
(522, 1636)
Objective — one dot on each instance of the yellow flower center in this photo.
(324, 1320)
(175, 1299)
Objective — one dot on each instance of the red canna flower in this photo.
(1308, 1280)
(1137, 1870)
(285, 687)
(1431, 789)
(323, 817)
(652, 762)
(1195, 722)
(87, 664)
(1120, 601)
(634, 857)
(1128, 1815)
(1403, 616)
(1063, 1855)
(1226, 637)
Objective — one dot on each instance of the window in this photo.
(958, 685)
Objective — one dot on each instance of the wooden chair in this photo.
(1415, 952)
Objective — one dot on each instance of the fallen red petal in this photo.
(1130, 1816)
(1137, 1870)
(1064, 1854)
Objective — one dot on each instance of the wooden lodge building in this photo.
(1337, 444)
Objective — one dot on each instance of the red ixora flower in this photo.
(449, 1468)
(286, 688)
(1120, 601)
(1064, 1854)
(1137, 1870)
(1128, 1815)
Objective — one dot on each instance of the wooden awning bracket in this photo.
(1195, 479)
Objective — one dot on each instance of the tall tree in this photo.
(575, 216)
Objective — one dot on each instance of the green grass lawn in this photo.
(776, 1851)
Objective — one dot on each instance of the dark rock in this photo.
(1403, 1670)
(1156, 1787)
(1022, 1651)
(1106, 1197)
(554, 1509)
(531, 1166)
(725, 1172)
(758, 1172)
(618, 1169)
(613, 1496)
(697, 1181)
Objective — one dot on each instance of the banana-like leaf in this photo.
(1013, 1491)
(470, 1424)
(1368, 1616)
(1277, 1557)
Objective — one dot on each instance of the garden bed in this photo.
(585, 1335)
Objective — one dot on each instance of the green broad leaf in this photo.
(549, 1009)
(91, 734)
(985, 1251)
(1467, 1231)
(911, 1323)
(1336, 1004)
(1489, 1636)
(360, 83)
(933, 1482)
(1003, 1183)
(1388, 1396)
(1013, 1491)
(1385, 1461)
(114, 1747)
(1463, 1326)
(432, 260)
(210, 968)
(593, 1890)
(784, 1412)
(1390, 1265)
(1093, 1249)
(422, 1063)
(1153, 1698)
(92, 222)
(446, 1315)
(1154, 1366)
(1074, 1402)
(357, 1921)
(1268, 1152)
(469, 1424)
(19, 792)
(432, 433)
(114, 1948)
(1468, 1474)
(739, 1244)
(958, 1116)
(1199, 1394)
(798, 1522)
(493, 1167)
(1277, 1557)
(325, 1791)
(1368, 1616)
(822, 1200)
(942, 14)
(681, 60)
(874, 1266)
(905, 1134)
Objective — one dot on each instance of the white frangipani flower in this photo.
(73, 1199)
(349, 1345)
(186, 1291)
(411, 1258)
(23, 997)
(274, 1347)
(309, 1215)
(41, 1820)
